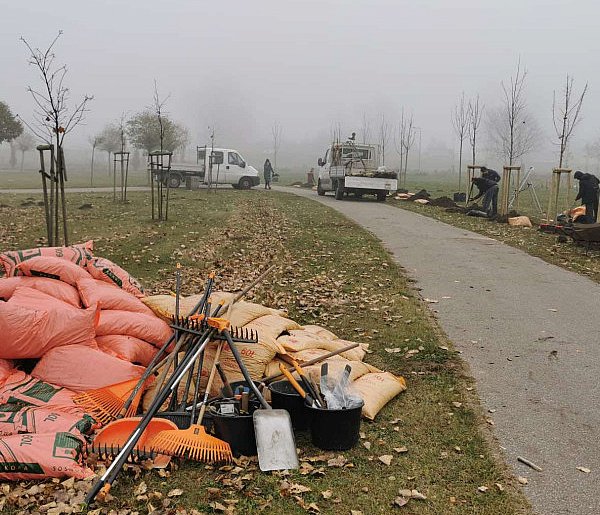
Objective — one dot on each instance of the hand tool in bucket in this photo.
(122, 399)
(105, 481)
(308, 385)
(275, 377)
(303, 393)
(273, 427)
(194, 443)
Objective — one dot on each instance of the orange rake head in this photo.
(105, 404)
(193, 443)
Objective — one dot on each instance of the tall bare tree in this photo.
(94, 141)
(399, 146)
(566, 115)
(475, 112)
(511, 127)
(408, 135)
(365, 131)
(384, 136)
(159, 110)
(53, 119)
(276, 132)
(460, 122)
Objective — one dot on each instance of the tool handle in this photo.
(308, 387)
(226, 386)
(292, 380)
(314, 361)
(209, 384)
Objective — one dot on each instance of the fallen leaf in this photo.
(297, 488)
(415, 494)
(401, 450)
(400, 501)
(217, 506)
(431, 301)
(405, 492)
(356, 512)
(142, 488)
(500, 487)
(584, 470)
(482, 489)
(313, 508)
(522, 480)
(386, 459)
(367, 445)
(327, 494)
(175, 492)
(340, 461)
(457, 404)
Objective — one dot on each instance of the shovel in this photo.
(275, 443)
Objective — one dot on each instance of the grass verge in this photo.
(329, 272)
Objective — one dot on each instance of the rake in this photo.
(105, 404)
(194, 443)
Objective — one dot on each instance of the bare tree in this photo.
(276, 132)
(409, 134)
(475, 112)
(566, 115)
(53, 120)
(399, 146)
(335, 132)
(384, 136)
(158, 107)
(512, 128)
(365, 131)
(460, 122)
(94, 141)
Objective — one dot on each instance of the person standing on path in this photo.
(589, 190)
(268, 174)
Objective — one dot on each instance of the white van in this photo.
(216, 166)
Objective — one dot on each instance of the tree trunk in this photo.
(460, 154)
(13, 155)
(22, 158)
(92, 168)
(108, 151)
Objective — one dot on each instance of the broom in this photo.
(193, 442)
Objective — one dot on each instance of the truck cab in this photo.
(353, 168)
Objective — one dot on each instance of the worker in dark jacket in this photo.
(268, 174)
(488, 188)
(589, 190)
(488, 173)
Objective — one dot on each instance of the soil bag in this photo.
(145, 327)
(78, 254)
(57, 289)
(107, 296)
(107, 271)
(53, 268)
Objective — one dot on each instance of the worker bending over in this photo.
(589, 191)
(487, 185)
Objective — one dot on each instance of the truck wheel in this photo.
(381, 196)
(320, 191)
(339, 190)
(359, 194)
(245, 183)
(174, 181)
(235, 186)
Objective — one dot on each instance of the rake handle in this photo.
(106, 480)
(209, 384)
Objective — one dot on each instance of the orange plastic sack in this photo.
(31, 323)
(107, 296)
(53, 268)
(107, 271)
(36, 456)
(80, 368)
(145, 327)
(6, 368)
(15, 419)
(128, 348)
(21, 388)
(57, 289)
(78, 254)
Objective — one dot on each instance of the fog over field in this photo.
(309, 66)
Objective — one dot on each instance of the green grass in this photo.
(332, 273)
(27, 179)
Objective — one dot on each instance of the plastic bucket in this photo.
(335, 430)
(283, 396)
(236, 430)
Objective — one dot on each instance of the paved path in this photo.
(530, 332)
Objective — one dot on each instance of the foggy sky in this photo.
(241, 65)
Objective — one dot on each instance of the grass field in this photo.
(329, 272)
(12, 179)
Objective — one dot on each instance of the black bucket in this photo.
(283, 396)
(335, 430)
(236, 430)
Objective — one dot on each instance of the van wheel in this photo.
(381, 196)
(245, 183)
(174, 181)
(235, 186)
(320, 191)
(339, 190)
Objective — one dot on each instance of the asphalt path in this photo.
(530, 332)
